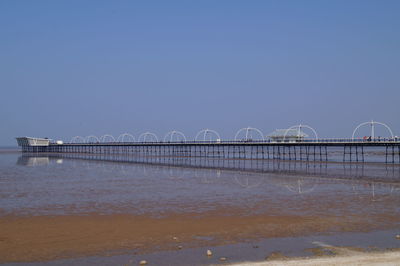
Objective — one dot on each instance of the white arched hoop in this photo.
(90, 138)
(248, 130)
(130, 138)
(206, 132)
(143, 137)
(299, 131)
(170, 136)
(107, 136)
(372, 123)
(77, 139)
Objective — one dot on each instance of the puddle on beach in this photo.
(225, 205)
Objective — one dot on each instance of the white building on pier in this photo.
(287, 135)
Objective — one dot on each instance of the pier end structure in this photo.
(30, 144)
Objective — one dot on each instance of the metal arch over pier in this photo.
(248, 131)
(143, 137)
(373, 123)
(107, 138)
(92, 139)
(169, 137)
(299, 127)
(130, 138)
(207, 132)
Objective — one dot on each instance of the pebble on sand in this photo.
(209, 253)
(222, 259)
(142, 262)
(175, 238)
(397, 236)
(180, 247)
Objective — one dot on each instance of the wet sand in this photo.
(327, 254)
(40, 238)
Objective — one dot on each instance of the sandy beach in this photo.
(43, 238)
(389, 258)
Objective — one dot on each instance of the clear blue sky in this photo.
(94, 67)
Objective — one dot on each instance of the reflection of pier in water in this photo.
(297, 177)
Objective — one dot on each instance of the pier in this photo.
(352, 150)
(249, 143)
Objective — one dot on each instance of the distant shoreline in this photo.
(9, 149)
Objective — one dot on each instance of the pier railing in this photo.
(257, 141)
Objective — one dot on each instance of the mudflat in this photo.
(40, 238)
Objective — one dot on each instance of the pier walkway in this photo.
(353, 150)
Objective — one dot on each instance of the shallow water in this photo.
(73, 184)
